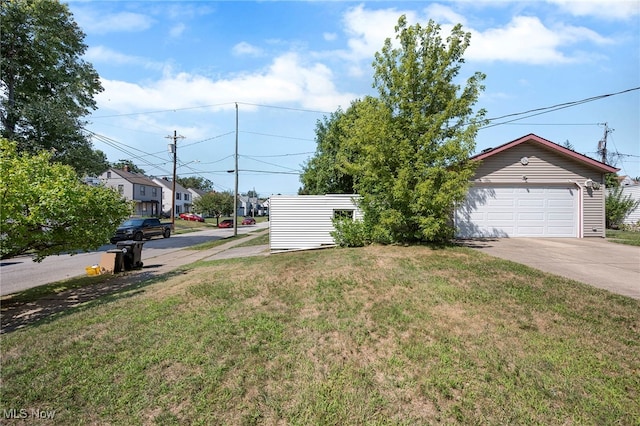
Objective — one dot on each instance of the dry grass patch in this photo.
(378, 335)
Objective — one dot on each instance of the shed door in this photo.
(519, 211)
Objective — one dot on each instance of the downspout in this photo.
(580, 209)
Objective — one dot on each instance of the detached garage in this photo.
(532, 187)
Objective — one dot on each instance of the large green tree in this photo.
(124, 164)
(214, 204)
(195, 182)
(324, 173)
(414, 143)
(45, 209)
(47, 88)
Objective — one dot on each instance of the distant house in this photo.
(626, 181)
(182, 196)
(195, 194)
(247, 206)
(146, 194)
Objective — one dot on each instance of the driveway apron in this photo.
(597, 262)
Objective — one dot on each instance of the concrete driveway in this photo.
(594, 261)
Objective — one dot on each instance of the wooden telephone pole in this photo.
(602, 145)
(173, 148)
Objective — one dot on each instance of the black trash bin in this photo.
(118, 265)
(132, 254)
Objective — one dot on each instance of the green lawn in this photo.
(623, 237)
(376, 335)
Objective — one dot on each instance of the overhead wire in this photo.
(492, 122)
(545, 110)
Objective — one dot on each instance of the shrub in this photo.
(350, 233)
(618, 206)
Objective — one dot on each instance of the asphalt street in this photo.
(22, 273)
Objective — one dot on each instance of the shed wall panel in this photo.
(305, 221)
(634, 192)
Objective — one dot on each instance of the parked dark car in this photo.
(141, 228)
(248, 221)
(227, 223)
(192, 217)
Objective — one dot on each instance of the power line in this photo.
(552, 124)
(163, 110)
(208, 139)
(266, 162)
(278, 136)
(285, 108)
(284, 155)
(544, 110)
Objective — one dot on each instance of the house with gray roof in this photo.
(146, 195)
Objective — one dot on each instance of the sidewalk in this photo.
(168, 262)
(16, 314)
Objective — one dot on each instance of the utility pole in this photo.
(602, 145)
(173, 148)
(235, 195)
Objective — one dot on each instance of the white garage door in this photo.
(519, 211)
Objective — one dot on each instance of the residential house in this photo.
(247, 206)
(146, 194)
(195, 194)
(182, 197)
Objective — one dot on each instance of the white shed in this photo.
(634, 192)
(299, 222)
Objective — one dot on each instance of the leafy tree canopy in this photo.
(618, 205)
(47, 210)
(325, 172)
(214, 204)
(122, 164)
(407, 151)
(195, 182)
(46, 85)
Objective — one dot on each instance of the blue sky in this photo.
(185, 66)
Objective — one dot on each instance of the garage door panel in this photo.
(530, 231)
(519, 212)
(531, 216)
(500, 216)
(560, 204)
(560, 216)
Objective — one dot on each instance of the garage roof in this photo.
(550, 145)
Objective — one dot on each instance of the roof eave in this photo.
(551, 145)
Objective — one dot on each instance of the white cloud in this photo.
(526, 40)
(606, 9)
(286, 80)
(440, 14)
(102, 54)
(91, 22)
(177, 30)
(245, 49)
(330, 36)
(368, 29)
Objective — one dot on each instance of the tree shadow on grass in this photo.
(20, 311)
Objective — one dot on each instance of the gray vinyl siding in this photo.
(634, 192)
(548, 167)
(305, 221)
(115, 180)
